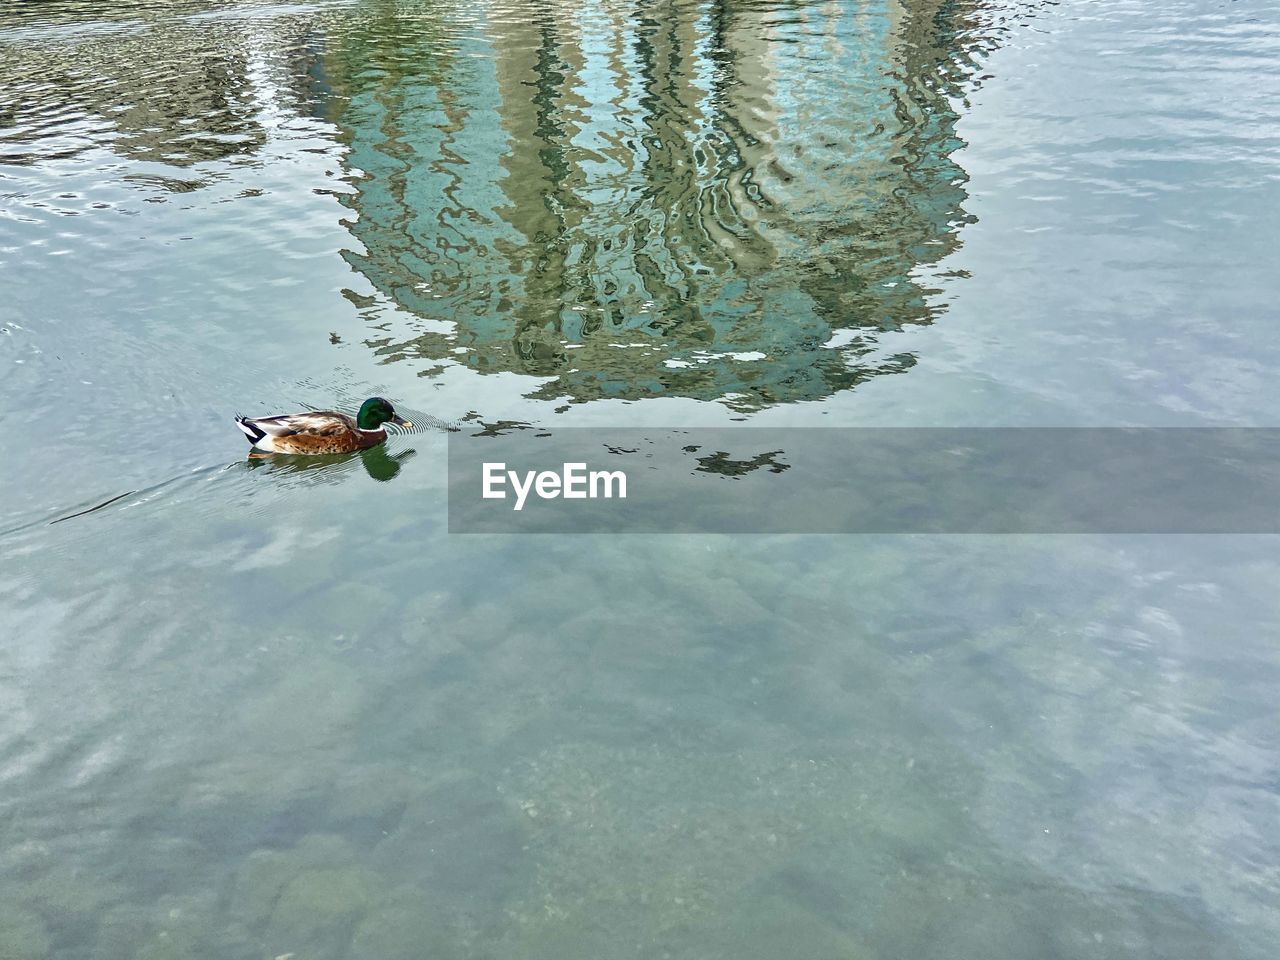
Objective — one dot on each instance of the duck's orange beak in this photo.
(401, 422)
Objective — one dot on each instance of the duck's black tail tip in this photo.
(250, 429)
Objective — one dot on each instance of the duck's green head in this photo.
(376, 411)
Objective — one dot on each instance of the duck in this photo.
(320, 432)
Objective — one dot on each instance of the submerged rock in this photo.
(462, 842)
(409, 927)
(317, 910)
(265, 874)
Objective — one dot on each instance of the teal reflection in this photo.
(706, 200)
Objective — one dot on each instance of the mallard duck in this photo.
(322, 431)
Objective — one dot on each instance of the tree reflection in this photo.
(193, 102)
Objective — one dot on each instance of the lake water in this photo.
(271, 708)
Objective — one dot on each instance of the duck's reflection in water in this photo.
(378, 464)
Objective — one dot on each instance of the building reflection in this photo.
(714, 200)
(720, 200)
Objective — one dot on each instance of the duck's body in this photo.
(319, 432)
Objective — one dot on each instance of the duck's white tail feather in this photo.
(251, 430)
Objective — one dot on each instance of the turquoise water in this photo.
(253, 709)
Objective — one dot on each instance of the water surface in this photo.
(260, 708)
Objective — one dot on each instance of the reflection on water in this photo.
(724, 465)
(377, 463)
(193, 104)
(712, 200)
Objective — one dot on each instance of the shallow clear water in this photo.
(261, 708)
